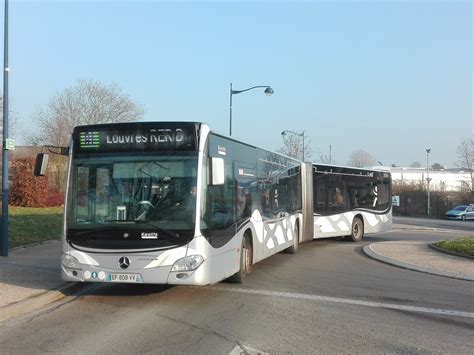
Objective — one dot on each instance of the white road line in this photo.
(242, 349)
(444, 312)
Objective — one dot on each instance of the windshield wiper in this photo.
(158, 229)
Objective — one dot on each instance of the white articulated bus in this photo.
(175, 203)
(349, 201)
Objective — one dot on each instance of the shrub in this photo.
(55, 199)
(26, 189)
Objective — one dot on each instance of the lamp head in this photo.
(268, 91)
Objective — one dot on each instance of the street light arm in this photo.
(298, 134)
(268, 91)
(235, 92)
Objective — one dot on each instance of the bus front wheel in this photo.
(357, 231)
(246, 258)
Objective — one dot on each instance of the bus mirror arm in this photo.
(54, 149)
(41, 163)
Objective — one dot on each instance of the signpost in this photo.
(396, 201)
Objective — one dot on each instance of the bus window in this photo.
(221, 202)
(320, 193)
(337, 194)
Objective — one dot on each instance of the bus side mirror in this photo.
(217, 171)
(41, 164)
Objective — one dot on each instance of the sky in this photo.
(391, 78)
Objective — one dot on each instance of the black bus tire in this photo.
(357, 230)
(296, 236)
(246, 258)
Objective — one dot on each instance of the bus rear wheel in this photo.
(246, 258)
(357, 230)
(296, 237)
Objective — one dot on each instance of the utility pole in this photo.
(428, 179)
(5, 192)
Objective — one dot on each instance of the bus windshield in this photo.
(133, 191)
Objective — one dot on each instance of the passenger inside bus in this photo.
(338, 198)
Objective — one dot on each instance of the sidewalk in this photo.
(30, 276)
(418, 256)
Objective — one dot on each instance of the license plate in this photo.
(134, 278)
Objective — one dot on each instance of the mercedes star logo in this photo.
(124, 262)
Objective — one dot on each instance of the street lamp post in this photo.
(428, 179)
(297, 134)
(5, 194)
(268, 91)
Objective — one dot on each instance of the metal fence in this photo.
(415, 203)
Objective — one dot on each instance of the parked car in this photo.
(461, 212)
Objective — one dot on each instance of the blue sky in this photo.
(391, 78)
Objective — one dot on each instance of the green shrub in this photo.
(463, 246)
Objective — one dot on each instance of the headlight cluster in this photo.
(71, 262)
(187, 263)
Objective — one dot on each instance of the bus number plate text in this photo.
(135, 278)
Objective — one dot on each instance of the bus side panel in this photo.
(339, 225)
(276, 236)
(377, 223)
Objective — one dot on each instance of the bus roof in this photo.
(382, 169)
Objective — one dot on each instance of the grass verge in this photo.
(463, 246)
(33, 225)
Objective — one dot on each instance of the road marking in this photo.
(242, 349)
(444, 312)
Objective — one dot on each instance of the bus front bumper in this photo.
(188, 270)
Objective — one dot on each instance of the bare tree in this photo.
(466, 157)
(87, 102)
(415, 164)
(12, 121)
(324, 158)
(360, 158)
(293, 147)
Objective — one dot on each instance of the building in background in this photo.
(442, 180)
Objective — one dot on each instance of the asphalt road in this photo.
(328, 298)
(437, 223)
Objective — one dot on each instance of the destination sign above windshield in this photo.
(134, 138)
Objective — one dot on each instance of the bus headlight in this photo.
(71, 262)
(188, 263)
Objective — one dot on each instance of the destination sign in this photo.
(134, 138)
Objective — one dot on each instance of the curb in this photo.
(38, 301)
(26, 246)
(404, 265)
(433, 246)
(412, 227)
